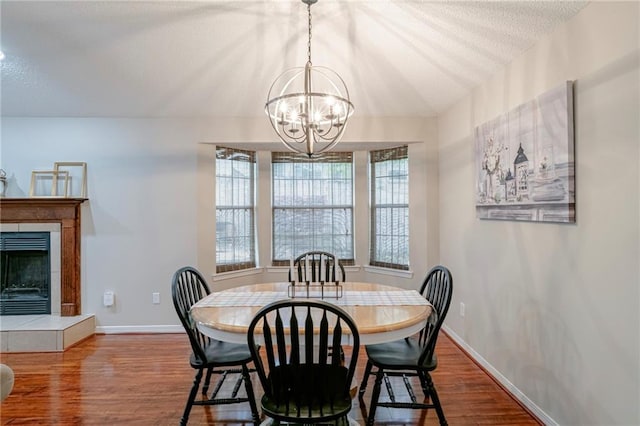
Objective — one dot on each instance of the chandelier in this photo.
(309, 106)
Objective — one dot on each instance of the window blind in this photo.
(389, 173)
(312, 205)
(235, 209)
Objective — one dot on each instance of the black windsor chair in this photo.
(414, 356)
(216, 357)
(303, 383)
(331, 267)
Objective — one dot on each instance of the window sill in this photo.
(234, 274)
(276, 269)
(387, 271)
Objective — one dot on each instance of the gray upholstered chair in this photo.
(6, 381)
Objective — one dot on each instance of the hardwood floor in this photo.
(145, 380)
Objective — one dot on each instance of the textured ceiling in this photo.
(219, 57)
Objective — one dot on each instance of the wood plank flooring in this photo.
(145, 380)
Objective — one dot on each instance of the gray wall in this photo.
(554, 310)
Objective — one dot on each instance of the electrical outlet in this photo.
(156, 298)
(108, 299)
(462, 309)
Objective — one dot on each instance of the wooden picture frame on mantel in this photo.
(49, 183)
(77, 177)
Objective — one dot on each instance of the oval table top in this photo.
(382, 313)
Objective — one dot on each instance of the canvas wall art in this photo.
(525, 161)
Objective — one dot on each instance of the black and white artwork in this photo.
(525, 161)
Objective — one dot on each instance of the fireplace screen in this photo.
(25, 273)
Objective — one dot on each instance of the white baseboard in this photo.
(127, 329)
(510, 387)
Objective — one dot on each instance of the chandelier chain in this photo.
(309, 43)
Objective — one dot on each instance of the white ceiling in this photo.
(218, 57)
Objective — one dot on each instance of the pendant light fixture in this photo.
(309, 106)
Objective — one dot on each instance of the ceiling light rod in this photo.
(308, 107)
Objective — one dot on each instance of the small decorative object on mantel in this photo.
(3, 183)
(525, 161)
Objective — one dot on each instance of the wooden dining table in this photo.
(382, 313)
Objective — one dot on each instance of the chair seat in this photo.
(310, 393)
(319, 412)
(398, 355)
(223, 354)
(340, 422)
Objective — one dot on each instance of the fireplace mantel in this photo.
(66, 212)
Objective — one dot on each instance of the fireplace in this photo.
(62, 215)
(25, 273)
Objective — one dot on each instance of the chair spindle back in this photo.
(333, 270)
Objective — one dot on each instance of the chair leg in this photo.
(207, 381)
(365, 378)
(436, 400)
(424, 383)
(342, 421)
(252, 399)
(192, 398)
(375, 396)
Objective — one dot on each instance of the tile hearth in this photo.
(44, 333)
